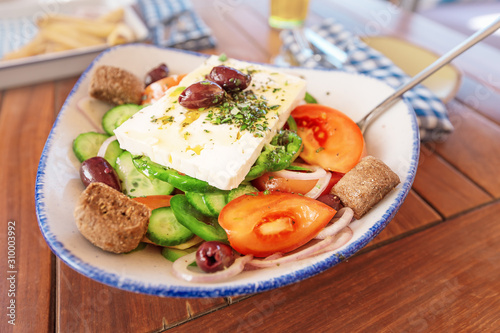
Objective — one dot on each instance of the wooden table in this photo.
(436, 267)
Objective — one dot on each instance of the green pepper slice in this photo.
(182, 182)
(283, 149)
(309, 99)
(292, 124)
(205, 227)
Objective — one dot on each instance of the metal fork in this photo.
(305, 47)
(309, 51)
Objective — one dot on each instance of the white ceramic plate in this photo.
(58, 64)
(412, 59)
(392, 138)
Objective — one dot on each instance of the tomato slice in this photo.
(331, 139)
(266, 223)
(155, 201)
(157, 89)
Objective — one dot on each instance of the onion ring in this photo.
(105, 145)
(342, 237)
(330, 243)
(320, 186)
(180, 269)
(340, 221)
(317, 173)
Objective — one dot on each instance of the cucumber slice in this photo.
(241, 190)
(117, 116)
(211, 204)
(113, 152)
(215, 202)
(135, 183)
(196, 199)
(86, 145)
(174, 254)
(165, 230)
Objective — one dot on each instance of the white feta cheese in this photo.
(188, 140)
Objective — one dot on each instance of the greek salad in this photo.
(235, 162)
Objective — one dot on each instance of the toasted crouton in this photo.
(365, 185)
(111, 220)
(115, 85)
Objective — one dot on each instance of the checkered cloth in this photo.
(15, 32)
(173, 23)
(431, 113)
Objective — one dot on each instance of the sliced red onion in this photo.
(330, 243)
(342, 238)
(320, 186)
(105, 145)
(181, 270)
(340, 221)
(273, 256)
(316, 173)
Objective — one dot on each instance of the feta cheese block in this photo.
(218, 144)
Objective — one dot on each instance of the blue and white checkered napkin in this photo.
(15, 32)
(173, 23)
(432, 115)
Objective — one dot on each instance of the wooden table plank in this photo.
(85, 305)
(26, 118)
(443, 279)
(446, 189)
(482, 99)
(473, 148)
(415, 214)
(62, 90)
(463, 17)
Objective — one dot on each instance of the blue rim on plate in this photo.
(115, 280)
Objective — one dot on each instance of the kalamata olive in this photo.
(230, 79)
(201, 95)
(214, 256)
(331, 200)
(97, 169)
(156, 74)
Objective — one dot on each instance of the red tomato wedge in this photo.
(331, 139)
(263, 224)
(157, 89)
(155, 201)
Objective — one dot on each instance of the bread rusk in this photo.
(365, 185)
(110, 220)
(115, 85)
